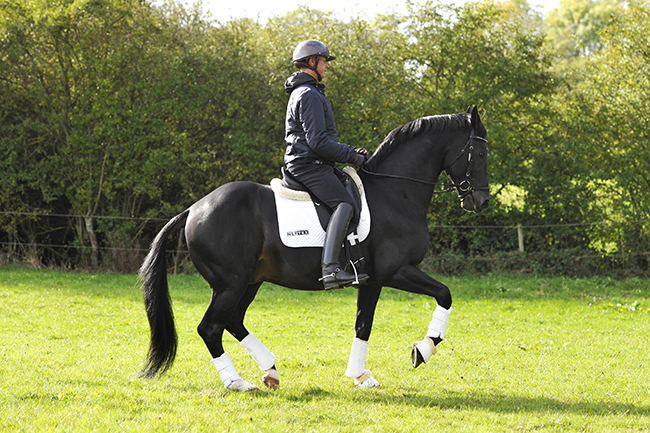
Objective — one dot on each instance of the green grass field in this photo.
(522, 354)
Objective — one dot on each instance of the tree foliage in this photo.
(612, 100)
(119, 111)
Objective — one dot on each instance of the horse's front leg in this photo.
(411, 279)
(367, 298)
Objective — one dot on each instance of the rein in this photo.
(464, 186)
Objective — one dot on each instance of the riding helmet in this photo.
(309, 48)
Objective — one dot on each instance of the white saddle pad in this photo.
(298, 221)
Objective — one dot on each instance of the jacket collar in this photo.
(299, 78)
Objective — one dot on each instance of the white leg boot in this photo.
(356, 365)
(264, 358)
(229, 375)
(425, 349)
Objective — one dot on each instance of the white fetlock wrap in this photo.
(366, 380)
(438, 324)
(226, 369)
(426, 348)
(357, 361)
(264, 358)
(240, 385)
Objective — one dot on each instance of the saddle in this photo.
(290, 189)
(302, 220)
(324, 212)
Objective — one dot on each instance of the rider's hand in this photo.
(359, 157)
(361, 151)
(364, 154)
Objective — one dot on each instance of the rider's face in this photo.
(323, 66)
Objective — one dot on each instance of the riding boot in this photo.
(333, 276)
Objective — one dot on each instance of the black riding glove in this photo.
(357, 159)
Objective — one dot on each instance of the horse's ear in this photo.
(476, 119)
(469, 109)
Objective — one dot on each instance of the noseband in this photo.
(464, 188)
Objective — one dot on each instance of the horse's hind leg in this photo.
(263, 356)
(223, 305)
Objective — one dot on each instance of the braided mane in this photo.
(404, 133)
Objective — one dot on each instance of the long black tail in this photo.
(164, 341)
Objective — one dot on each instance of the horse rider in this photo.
(313, 150)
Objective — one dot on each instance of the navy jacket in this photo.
(310, 131)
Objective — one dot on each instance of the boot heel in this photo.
(334, 277)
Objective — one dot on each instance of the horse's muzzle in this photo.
(476, 201)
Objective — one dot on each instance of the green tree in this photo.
(29, 173)
(491, 54)
(574, 29)
(613, 101)
(120, 109)
(95, 90)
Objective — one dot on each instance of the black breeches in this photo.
(323, 181)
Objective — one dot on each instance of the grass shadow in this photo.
(502, 403)
(309, 394)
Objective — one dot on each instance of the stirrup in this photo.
(357, 280)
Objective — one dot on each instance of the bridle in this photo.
(464, 188)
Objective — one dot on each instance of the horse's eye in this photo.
(481, 154)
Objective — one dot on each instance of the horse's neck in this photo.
(421, 158)
(420, 162)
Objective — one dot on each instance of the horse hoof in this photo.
(416, 357)
(366, 380)
(422, 351)
(241, 386)
(271, 378)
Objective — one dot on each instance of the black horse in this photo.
(233, 241)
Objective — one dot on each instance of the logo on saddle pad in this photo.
(298, 221)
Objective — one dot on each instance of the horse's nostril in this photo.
(483, 204)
